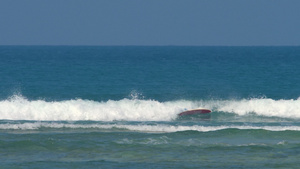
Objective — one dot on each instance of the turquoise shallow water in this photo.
(140, 144)
(117, 107)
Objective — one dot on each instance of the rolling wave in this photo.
(20, 108)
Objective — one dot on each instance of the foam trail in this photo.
(161, 128)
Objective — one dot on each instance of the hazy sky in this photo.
(150, 22)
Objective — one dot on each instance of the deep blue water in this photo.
(160, 73)
(117, 106)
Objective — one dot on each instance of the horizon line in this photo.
(160, 45)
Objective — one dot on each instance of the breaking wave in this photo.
(20, 108)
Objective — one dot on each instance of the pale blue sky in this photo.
(150, 22)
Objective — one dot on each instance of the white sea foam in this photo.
(160, 128)
(263, 107)
(20, 108)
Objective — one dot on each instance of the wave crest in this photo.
(20, 108)
(263, 107)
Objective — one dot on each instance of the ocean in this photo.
(118, 106)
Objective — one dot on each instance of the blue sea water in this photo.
(118, 106)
